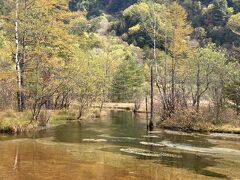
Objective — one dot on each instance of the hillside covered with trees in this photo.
(182, 56)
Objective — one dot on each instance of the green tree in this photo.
(217, 14)
(41, 53)
(127, 81)
(207, 69)
(234, 23)
(232, 92)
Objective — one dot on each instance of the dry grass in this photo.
(18, 122)
(190, 120)
(14, 122)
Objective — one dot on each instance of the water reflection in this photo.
(193, 162)
(116, 147)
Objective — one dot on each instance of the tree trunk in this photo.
(18, 62)
(151, 106)
(101, 106)
(238, 107)
(80, 112)
(173, 74)
(151, 94)
(198, 88)
(173, 86)
(146, 109)
(165, 75)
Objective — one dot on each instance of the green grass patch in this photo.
(14, 122)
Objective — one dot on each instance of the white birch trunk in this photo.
(17, 60)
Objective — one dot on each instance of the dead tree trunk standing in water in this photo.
(154, 27)
(146, 108)
(18, 61)
(150, 125)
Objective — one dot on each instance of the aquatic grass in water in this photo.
(151, 136)
(113, 137)
(210, 150)
(143, 152)
(94, 140)
(225, 135)
(152, 144)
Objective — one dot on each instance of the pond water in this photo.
(118, 147)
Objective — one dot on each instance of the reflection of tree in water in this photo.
(190, 161)
(193, 162)
(15, 165)
(71, 133)
(127, 126)
(124, 124)
(191, 140)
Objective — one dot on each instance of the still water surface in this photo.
(118, 147)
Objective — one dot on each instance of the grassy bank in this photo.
(226, 128)
(187, 120)
(18, 122)
(191, 121)
(15, 122)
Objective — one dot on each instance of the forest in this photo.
(119, 89)
(176, 60)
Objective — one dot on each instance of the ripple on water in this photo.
(147, 153)
(180, 133)
(225, 135)
(211, 150)
(152, 144)
(151, 136)
(94, 140)
(155, 132)
(113, 137)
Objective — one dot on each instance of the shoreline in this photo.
(202, 131)
(34, 128)
(61, 117)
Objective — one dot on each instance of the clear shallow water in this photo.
(118, 147)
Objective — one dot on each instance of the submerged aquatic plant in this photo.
(143, 152)
(152, 144)
(94, 140)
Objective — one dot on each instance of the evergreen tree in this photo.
(127, 81)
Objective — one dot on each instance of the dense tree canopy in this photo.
(57, 53)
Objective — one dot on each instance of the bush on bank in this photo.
(189, 120)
